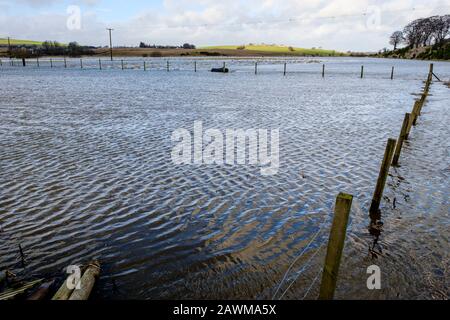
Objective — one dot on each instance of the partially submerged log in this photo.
(87, 282)
(41, 292)
(3, 277)
(223, 69)
(14, 293)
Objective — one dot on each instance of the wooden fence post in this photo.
(401, 138)
(145, 68)
(195, 66)
(415, 112)
(167, 65)
(384, 170)
(65, 62)
(256, 67)
(51, 63)
(335, 246)
(323, 70)
(100, 64)
(121, 61)
(392, 73)
(284, 72)
(37, 62)
(362, 72)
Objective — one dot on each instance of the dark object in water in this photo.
(224, 70)
(42, 291)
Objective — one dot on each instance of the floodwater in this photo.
(86, 173)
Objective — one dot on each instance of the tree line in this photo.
(154, 46)
(423, 32)
(50, 48)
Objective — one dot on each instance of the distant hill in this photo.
(17, 42)
(282, 50)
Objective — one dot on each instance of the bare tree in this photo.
(426, 31)
(441, 27)
(396, 38)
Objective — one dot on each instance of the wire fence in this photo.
(280, 65)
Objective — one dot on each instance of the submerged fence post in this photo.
(24, 63)
(81, 63)
(195, 66)
(284, 72)
(362, 72)
(384, 170)
(335, 246)
(323, 71)
(100, 64)
(401, 138)
(37, 62)
(65, 62)
(145, 68)
(256, 67)
(51, 63)
(392, 73)
(167, 65)
(121, 61)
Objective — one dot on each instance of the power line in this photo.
(287, 20)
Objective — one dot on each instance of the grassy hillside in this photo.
(435, 52)
(284, 50)
(17, 42)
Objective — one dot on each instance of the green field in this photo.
(16, 42)
(277, 49)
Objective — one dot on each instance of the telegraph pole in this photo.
(9, 47)
(110, 43)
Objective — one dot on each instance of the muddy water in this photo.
(86, 173)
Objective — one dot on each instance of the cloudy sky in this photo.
(357, 25)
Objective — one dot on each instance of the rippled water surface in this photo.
(86, 173)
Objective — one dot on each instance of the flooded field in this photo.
(86, 172)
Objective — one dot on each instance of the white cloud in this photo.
(334, 24)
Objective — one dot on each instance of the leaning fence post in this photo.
(392, 73)
(411, 119)
(384, 170)
(335, 246)
(401, 138)
(415, 112)
(362, 72)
